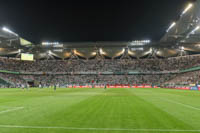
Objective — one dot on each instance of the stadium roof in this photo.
(186, 29)
(182, 34)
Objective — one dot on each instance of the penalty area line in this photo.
(98, 129)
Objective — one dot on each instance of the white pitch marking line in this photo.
(99, 129)
(9, 107)
(10, 110)
(185, 105)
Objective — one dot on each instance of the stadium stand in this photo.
(103, 65)
(173, 60)
(100, 72)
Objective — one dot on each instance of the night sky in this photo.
(97, 20)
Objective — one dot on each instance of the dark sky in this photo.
(97, 20)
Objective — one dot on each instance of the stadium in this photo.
(139, 86)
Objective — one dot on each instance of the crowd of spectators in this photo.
(98, 66)
(13, 80)
(185, 79)
(102, 65)
(65, 80)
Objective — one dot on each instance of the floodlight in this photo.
(182, 48)
(50, 43)
(193, 31)
(187, 9)
(93, 53)
(49, 52)
(19, 50)
(171, 26)
(9, 31)
(197, 28)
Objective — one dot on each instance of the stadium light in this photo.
(9, 31)
(93, 53)
(197, 28)
(102, 52)
(171, 26)
(137, 49)
(193, 31)
(187, 9)
(182, 48)
(49, 52)
(50, 43)
(140, 42)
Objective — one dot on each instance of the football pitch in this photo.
(99, 111)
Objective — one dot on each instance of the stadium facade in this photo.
(180, 41)
(181, 38)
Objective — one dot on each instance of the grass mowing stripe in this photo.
(124, 111)
(156, 115)
(99, 111)
(49, 110)
(185, 105)
(99, 129)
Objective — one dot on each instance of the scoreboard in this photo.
(27, 57)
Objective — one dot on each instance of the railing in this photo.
(190, 69)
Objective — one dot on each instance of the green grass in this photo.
(99, 111)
